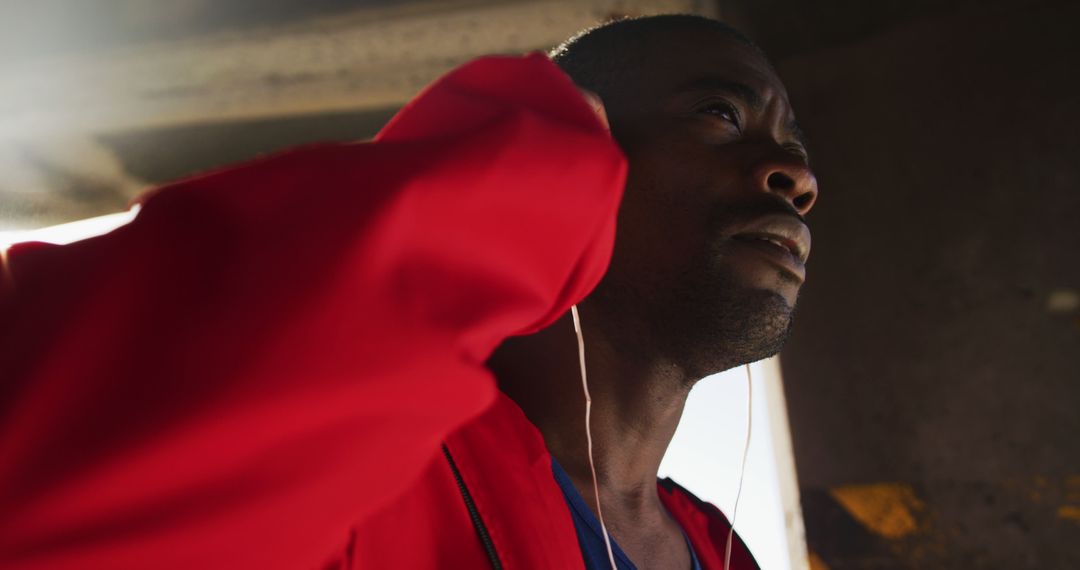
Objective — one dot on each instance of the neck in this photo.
(637, 400)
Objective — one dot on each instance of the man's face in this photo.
(710, 248)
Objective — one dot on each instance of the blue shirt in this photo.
(590, 537)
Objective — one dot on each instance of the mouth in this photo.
(782, 231)
(786, 246)
(782, 238)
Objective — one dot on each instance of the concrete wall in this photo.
(933, 379)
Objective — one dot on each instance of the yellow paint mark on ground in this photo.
(816, 563)
(1069, 512)
(1072, 488)
(886, 509)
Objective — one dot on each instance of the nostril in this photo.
(802, 201)
(780, 181)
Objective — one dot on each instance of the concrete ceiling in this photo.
(80, 74)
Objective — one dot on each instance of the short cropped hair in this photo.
(602, 59)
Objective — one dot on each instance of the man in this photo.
(707, 264)
(261, 369)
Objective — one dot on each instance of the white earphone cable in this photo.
(742, 467)
(588, 432)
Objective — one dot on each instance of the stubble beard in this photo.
(713, 322)
(706, 322)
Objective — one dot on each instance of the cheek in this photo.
(663, 224)
(675, 187)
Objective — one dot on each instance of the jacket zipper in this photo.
(478, 524)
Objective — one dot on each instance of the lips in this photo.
(777, 231)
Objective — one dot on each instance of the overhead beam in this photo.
(371, 58)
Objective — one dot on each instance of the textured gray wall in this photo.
(935, 368)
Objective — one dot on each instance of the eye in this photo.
(722, 110)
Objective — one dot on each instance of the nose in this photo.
(789, 178)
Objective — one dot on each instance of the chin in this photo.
(731, 327)
(706, 320)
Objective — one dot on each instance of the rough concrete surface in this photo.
(932, 347)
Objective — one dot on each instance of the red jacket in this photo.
(259, 370)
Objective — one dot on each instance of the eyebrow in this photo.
(748, 94)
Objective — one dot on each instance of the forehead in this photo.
(686, 59)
